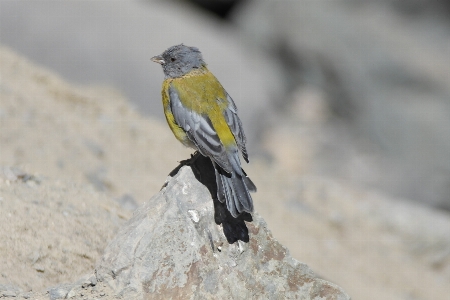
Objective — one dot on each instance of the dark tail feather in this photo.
(249, 183)
(234, 189)
(220, 188)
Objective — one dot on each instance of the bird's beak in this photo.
(158, 59)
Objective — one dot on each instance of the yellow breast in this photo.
(200, 91)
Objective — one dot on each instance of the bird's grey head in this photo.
(179, 60)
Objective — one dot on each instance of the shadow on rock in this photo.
(234, 229)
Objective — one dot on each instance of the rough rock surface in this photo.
(172, 249)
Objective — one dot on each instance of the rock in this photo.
(26, 295)
(91, 281)
(7, 290)
(385, 74)
(8, 174)
(59, 292)
(9, 294)
(11, 174)
(72, 293)
(70, 290)
(39, 268)
(172, 248)
(127, 201)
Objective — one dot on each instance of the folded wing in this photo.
(200, 131)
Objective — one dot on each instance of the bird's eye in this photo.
(173, 59)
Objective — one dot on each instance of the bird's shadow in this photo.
(234, 229)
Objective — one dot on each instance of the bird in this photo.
(203, 116)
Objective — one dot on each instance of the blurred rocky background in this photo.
(346, 105)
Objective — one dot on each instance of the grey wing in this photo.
(200, 131)
(235, 125)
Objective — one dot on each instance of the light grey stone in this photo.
(72, 293)
(59, 292)
(162, 252)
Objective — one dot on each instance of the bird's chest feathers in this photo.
(201, 92)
